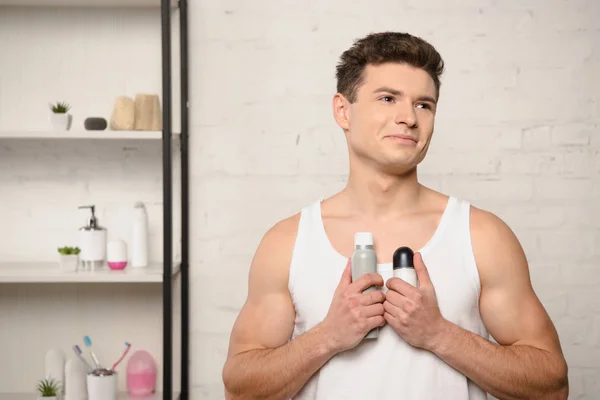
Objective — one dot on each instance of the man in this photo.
(301, 332)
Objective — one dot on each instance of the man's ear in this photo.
(341, 111)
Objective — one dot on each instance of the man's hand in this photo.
(352, 314)
(413, 312)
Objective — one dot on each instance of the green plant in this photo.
(60, 107)
(68, 250)
(48, 387)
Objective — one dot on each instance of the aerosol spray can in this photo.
(364, 261)
(403, 265)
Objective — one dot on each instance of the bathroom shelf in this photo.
(121, 396)
(86, 3)
(83, 134)
(49, 272)
(171, 19)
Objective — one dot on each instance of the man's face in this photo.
(391, 121)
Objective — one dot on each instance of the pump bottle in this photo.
(92, 241)
(364, 261)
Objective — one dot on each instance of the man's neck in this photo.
(374, 194)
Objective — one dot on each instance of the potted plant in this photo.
(48, 389)
(69, 258)
(60, 118)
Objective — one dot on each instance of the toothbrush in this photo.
(127, 347)
(79, 354)
(88, 344)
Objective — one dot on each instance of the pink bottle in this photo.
(141, 374)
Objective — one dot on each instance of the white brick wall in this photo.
(517, 133)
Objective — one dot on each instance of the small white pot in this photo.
(61, 122)
(69, 262)
(47, 398)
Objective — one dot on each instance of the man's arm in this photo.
(528, 362)
(262, 362)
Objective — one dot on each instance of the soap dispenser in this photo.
(92, 242)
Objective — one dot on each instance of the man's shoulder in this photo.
(284, 229)
(487, 225)
(495, 245)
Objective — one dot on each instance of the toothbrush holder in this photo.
(102, 384)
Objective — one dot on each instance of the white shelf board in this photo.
(83, 134)
(86, 3)
(121, 396)
(50, 272)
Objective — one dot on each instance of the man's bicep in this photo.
(266, 319)
(263, 323)
(510, 309)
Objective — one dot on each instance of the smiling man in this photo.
(301, 332)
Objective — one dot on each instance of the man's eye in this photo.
(387, 99)
(426, 106)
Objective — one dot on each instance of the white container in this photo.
(92, 242)
(102, 385)
(403, 265)
(55, 366)
(75, 380)
(69, 262)
(93, 247)
(139, 240)
(116, 254)
(60, 121)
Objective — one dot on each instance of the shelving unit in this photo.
(47, 272)
(82, 134)
(161, 273)
(122, 396)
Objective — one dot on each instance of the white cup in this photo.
(102, 387)
(116, 254)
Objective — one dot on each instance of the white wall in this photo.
(517, 133)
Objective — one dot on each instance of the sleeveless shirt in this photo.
(387, 367)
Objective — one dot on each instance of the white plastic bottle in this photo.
(403, 265)
(364, 261)
(139, 241)
(75, 380)
(55, 365)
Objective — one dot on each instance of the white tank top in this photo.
(388, 367)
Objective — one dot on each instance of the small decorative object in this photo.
(69, 258)
(123, 115)
(95, 124)
(148, 115)
(60, 117)
(116, 254)
(141, 374)
(48, 389)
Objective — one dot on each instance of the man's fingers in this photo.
(371, 297)
(376, 321)
(366, 281)
(373, 310)
(401, 286)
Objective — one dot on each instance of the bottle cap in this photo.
(403, 258)
(363, 239)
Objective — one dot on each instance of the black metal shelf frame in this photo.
(167, 285)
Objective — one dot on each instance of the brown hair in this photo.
(383, 47)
